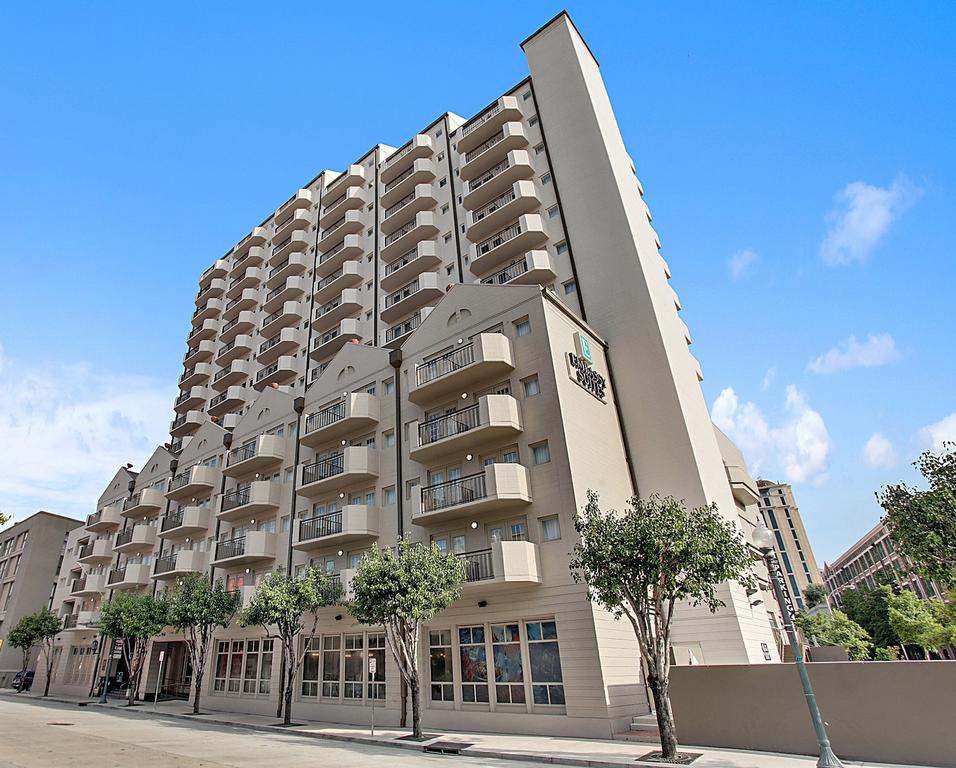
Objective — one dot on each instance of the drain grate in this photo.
(657, 757)
(60, 723)
(447, 747)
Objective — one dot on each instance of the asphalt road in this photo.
(37, 734)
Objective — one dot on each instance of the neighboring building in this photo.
(30, 554)
(423, 345)
(782, 516)
(873, 561)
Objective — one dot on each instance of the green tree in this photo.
(23, 637)
(868, 608)
(924, 623)
(923, 523)
(281, 603)
(836, 628)
(641, 563)
(401, 590)
(889, 653)
(47, 626)
(814, 594)
(197, 608)
(5, 518)
(134, 618)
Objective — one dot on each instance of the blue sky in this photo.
(798, 160)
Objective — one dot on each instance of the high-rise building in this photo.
(782, 516)
(30, 554)
(454, 341)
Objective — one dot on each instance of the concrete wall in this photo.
(889, 711)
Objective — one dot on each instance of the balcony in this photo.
(81, 621)
(196, 374)
(144, 503)
(348, 249)
(240, 346)
(356, 412)
(403, 157)
(349, 304)
(229, 400)
(129, 576)
(497, 488)
(91, 585)
(534, 268)
(293, 290)
(491, 151)
(498, 179)
(301, 199)
(250, 278)
(282, 371)
(484, 358)
(350, 223)
(395, 336)
(214, 289)
(296, 264)
(353, 522)
(251, 257)
(208, 310)
(191, 399)
(198, 481)
(98, 551)
(503, 564)
(105, 519)
(291, 222)
(205, 330)
(255, 455)
(519, 237)
(255, 238)
(256, 499)
(421, 258)
(185, 521)
(333, 340)
(255, 546)
(286, 342)
(349, 199)
(420, 198)
(353, 176)
(402, 240)
(422, 291)
(494, 418)
(177, 564)
(137, 538)
(349, 275)
(247, 300)
(421, 171)
(352, 466)
(742, 485)
(186, 423)
(488, 123)
(199, 353)
(521, 198)
(237, 372)
(216, 272)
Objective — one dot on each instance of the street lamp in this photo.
(763, 540)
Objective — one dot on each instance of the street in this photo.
(36, 734)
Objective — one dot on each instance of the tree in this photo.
(889, 653)
(47, 626)
(868, 608)
(922, 524)
(23, 636)
(814, 595)
(400, 590)
(197, 608)
(641, 563)
(281, 601)
(134, 618)
(5, 518)
(836, 628)
(925, 623)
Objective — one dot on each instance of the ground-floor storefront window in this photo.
(79, 665)
(244, 666)
(337, 667)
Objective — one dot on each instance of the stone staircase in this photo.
(643, 728)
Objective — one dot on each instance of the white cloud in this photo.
(67, 427)
(768, 378)
(861, 217)
(878, 453)
(943, 431)
(799, 446)
(878, 349)
(740, 263)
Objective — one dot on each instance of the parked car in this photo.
(23, 681)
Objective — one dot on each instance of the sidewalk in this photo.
(595, 753)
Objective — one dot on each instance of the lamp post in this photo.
(762, 538)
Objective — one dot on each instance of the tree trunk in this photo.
(281, 698)
(416, 706)
(197, 684)
(403, 718)
(289, 684)
(665, 717)
(49, 674)
(287, 717)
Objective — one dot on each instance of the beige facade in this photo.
(437, 343)
(30, 554)
(780, 513)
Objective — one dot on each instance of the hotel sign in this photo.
(580, 370)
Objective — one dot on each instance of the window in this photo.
(376, 682)
(539, 149)
(310, 668)
(442, 678)
(523, 326)
(444, 208)
(389, 438)
(354, 666)
(442, 183)
(541, 453)
(533, 120)
(544, 658)
(552, 211)
(331, 661)
(546, 178)
(389, 386)
(531, 386)
(509, 672)
(550, 528)
(447, 237)
(389, 495)
(474, 664)
(561, 247)
(526, 95)
(570, 287)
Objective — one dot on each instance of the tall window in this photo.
(474, 664)
(376, 682)
(354, 666)
(509, 672)
(545, 659)
(310, 667)
(442, 678)
(243, 666)
(331, 661)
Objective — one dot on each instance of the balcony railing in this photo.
(478, 565)
(399, 179)
(323, 525)
(325, 417)
(69, 621)
(401, 294)
(78, 584)
(488, 175)
(187, 373)
(242, 453)
(132, 501)
(400, 232)
(172, 520)
(499, 238)
(226, 347)
(231, 548)
(402, 328)
(448, 425)
(398, 154)
(165, 564)
(237, 498)
(274, 316)
(494, 205)
(333, 226)
(509, 273)
(484, 145)
(480, 120)
(267, 345)
(445, 364)
(462, 490)
(400, 204)
(330, 253)
(218, 399)
(181, 480)
(327, 307)
(267, 371)
(179, 421)
(401, 262)
(117, 575)
(329, 206)
(86, 551)
(284, 243)
(323, 469)
(124, 537)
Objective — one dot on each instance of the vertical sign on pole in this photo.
(159, 677)
(372, 666)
